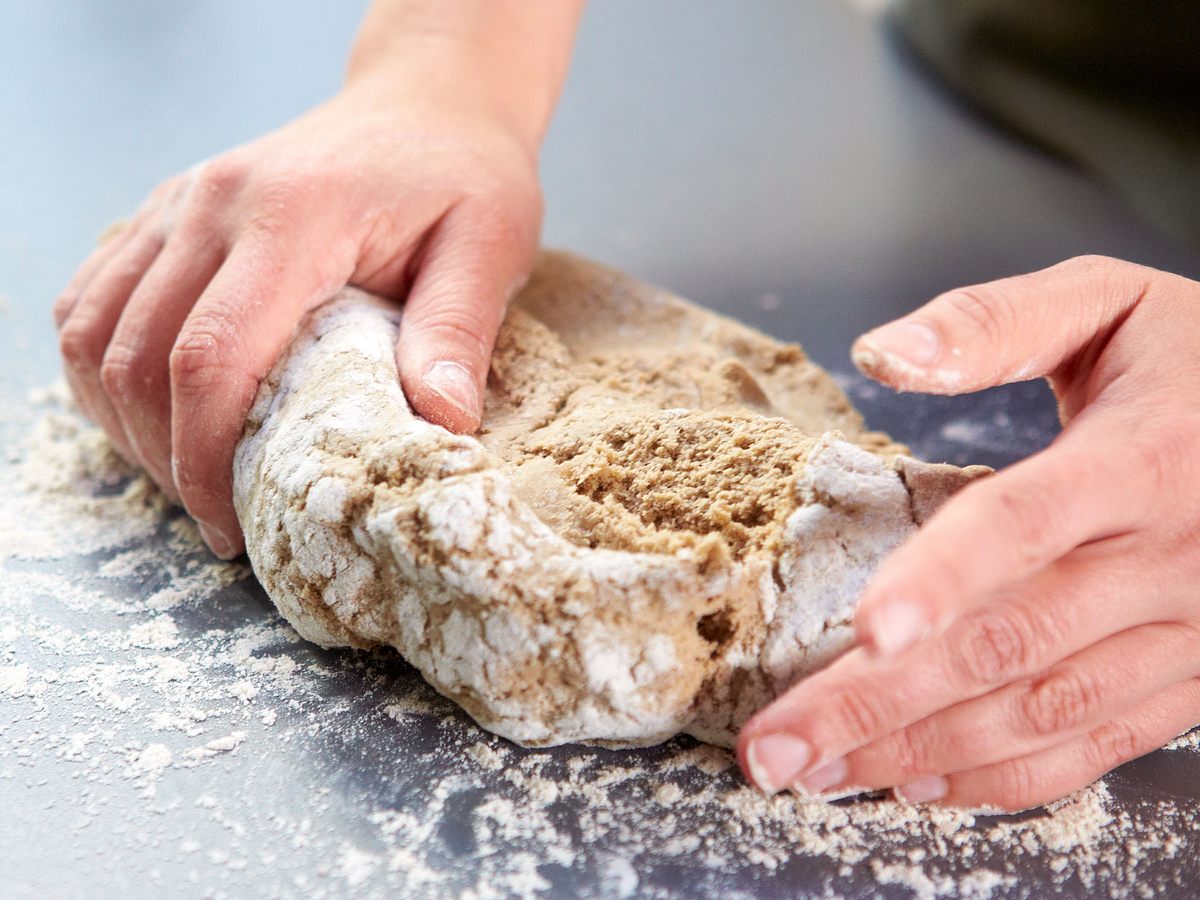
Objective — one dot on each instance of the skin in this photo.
(418, 181)
(1040, 630)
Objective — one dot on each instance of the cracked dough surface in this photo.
(665, 520)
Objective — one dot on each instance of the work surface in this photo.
(162, 732)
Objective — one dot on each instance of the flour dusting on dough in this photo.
(665, 520)
(162, 732)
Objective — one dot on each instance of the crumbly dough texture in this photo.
(664, 522)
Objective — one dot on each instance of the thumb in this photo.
(471, 268)
(1013, 329)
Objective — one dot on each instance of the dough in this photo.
(665, 520)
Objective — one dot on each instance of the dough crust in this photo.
(664, 522)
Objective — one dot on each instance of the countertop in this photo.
(163, 733)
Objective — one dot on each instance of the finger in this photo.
(232, 337)
(1097, 685)
(863, 697)
(107, 246)
(1001, 530)
(135, 372)
(1030, 781)
(112, 240)
(1007, 330)
(85, 335)
(474, 263)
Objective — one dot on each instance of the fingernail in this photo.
(897, 626)
(776, 759)
(911, 342)
(453, 383)
(822, 779)
(923, 790)
(216, 540)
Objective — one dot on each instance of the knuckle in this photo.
(1111, 745)
(448, 326)
(63, 304)
(1015, 784)
(1063, 701)
(119, 372)
(80, 348)
(197, 360)
(997, 647)
(1029, 517)
(199, 224)
(219, 181)
(857, 714)
(912, 749)
(281, 204)
(1094, 262)
(991, 312)
(1112, 282)
(166, 190)
(1109, 278)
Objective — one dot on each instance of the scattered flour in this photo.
(154, 758)
(159, 633)
(222, 754)
(1189, 741)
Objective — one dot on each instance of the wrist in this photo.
(448, 83)
(487, 60)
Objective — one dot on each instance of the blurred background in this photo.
(785, 162)
(778, 160)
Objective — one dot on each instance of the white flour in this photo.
(207, 749)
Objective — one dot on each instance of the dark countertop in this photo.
(776, 161)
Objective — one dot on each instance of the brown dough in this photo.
(665, 520)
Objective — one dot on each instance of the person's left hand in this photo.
(1044, 626)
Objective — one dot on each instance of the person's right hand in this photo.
(168, 328)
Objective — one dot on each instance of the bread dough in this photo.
(664, 521)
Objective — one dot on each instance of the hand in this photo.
(1044, 626)
(168, 328)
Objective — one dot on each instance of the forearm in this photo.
(507, 58)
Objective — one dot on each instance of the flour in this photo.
(665, 519)
(220, 755)
(153, 758)
(159, 633)
(1188, 741)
